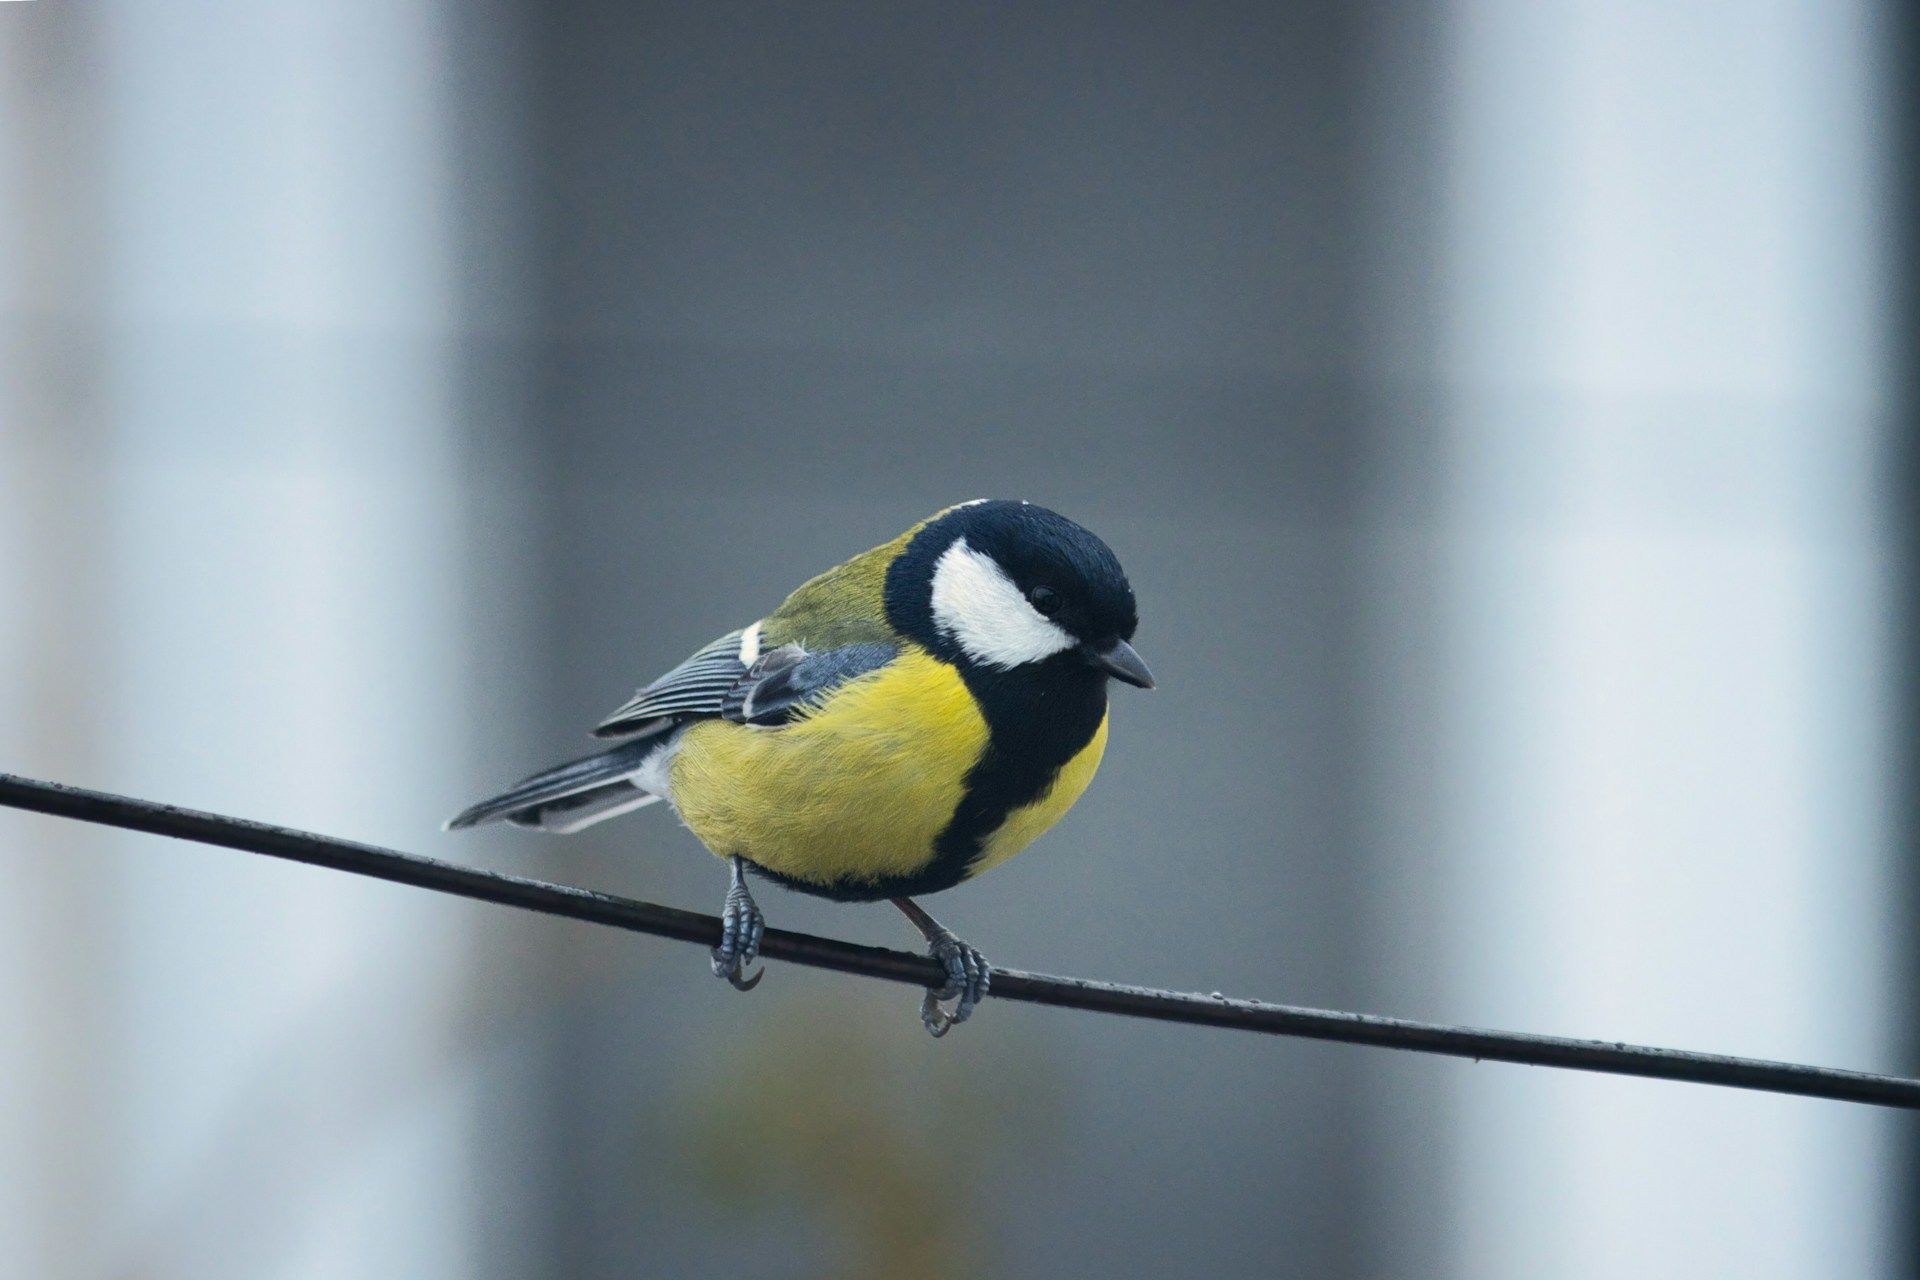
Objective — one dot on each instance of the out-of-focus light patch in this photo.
(280, 629)
(314, 191)
(292, 637)
(1666, 336)
(1668, 803)
(1666, 199)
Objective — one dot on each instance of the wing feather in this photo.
(789, 681)
(694, 688)
(782, 683)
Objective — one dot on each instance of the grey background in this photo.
(391, 388)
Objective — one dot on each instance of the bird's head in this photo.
(997, 586)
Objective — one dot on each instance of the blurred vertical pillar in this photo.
(1903, 108)
(286, 531)
(55, 893)
(1668, 559)
(241, 552)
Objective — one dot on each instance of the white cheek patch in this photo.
(979, 608)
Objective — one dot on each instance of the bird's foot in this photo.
(741, 926)
(968, 977)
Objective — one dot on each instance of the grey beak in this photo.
(1121, 662)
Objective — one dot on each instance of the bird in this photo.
(901, 723)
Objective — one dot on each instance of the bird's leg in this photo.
(968, 973)
(741, 925)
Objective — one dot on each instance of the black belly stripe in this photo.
(1038, 717)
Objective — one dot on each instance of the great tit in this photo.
(899, 724)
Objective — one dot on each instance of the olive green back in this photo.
(845, 605)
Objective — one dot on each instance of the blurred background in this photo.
(1502, 409)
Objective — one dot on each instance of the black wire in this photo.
(917, 970)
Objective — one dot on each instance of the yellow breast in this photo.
(852, 798)
(855, 792)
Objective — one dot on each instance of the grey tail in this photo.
(573, 795)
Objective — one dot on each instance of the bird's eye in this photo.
(1045, 600)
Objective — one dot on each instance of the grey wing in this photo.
(788, 681)
(696, 687)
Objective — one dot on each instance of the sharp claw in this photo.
(733, 969)
(933, 1016)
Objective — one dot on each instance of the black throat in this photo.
(1038, 718)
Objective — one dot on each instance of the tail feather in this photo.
(582, 809)
(572, 795)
